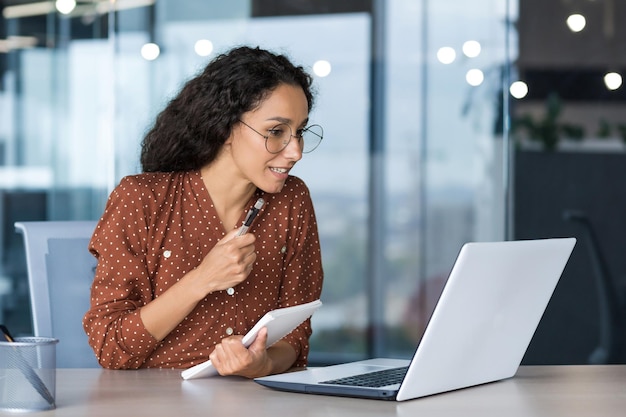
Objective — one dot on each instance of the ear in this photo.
(229, 141)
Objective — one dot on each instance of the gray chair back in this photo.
(60, 274)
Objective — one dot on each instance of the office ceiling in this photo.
(545, 40)
(549, 53)
(553, 59)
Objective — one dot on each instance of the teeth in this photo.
(279, 170)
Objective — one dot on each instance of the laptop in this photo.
(478, 332)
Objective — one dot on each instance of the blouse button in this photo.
(230, 291)
(167, 254)
(283, 249)
(229, 331)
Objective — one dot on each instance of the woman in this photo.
(175, 285)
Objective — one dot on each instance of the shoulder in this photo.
(148, 190)
(152, 183)
(295, 186)
(294, 197)
(149, 180)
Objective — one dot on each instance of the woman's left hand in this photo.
(231, 357)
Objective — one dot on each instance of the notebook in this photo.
(279, 322)
(478, 332)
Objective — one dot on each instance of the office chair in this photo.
(611, 347)
(60, 273)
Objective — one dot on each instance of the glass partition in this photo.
(569, 121)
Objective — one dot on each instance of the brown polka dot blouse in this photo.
(158, 226)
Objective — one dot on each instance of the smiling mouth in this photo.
(280, 170)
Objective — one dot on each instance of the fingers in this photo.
(260, 342)
(229, 263)
(231, 357)
(240, 241)
(241, 252)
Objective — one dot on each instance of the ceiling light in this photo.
(203, 47)
(576, 22)
(474, 77)
(471, 49)
(519, 89)
(613, 80)
(28, 9)
(17, 42)
(46, 7)
(322, 68)
(446, 55)
(65, 6)
(150, 51)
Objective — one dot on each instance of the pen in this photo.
(28, 371)
(250, 216)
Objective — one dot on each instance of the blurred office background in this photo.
(445, 122)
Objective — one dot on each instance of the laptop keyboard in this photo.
(372, 379)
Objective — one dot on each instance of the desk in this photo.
(549, 391)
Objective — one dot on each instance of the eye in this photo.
(300, 132)
(276, 132)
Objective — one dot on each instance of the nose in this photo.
(293, 150)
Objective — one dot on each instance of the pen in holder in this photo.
(20, 361)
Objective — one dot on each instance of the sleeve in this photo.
(121, 285)
(303, 274)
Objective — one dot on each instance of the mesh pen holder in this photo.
(28, 374)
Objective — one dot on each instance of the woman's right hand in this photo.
(226, 265)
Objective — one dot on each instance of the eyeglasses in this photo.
(278, 137)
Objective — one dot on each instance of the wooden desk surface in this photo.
(549, 391)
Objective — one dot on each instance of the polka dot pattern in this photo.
(159, 226)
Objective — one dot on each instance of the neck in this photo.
(229, 192)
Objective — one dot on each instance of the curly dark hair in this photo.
(191, 130)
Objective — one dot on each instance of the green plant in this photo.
(604, 129)
(547, 130)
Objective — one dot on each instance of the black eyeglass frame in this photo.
(291, 135)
